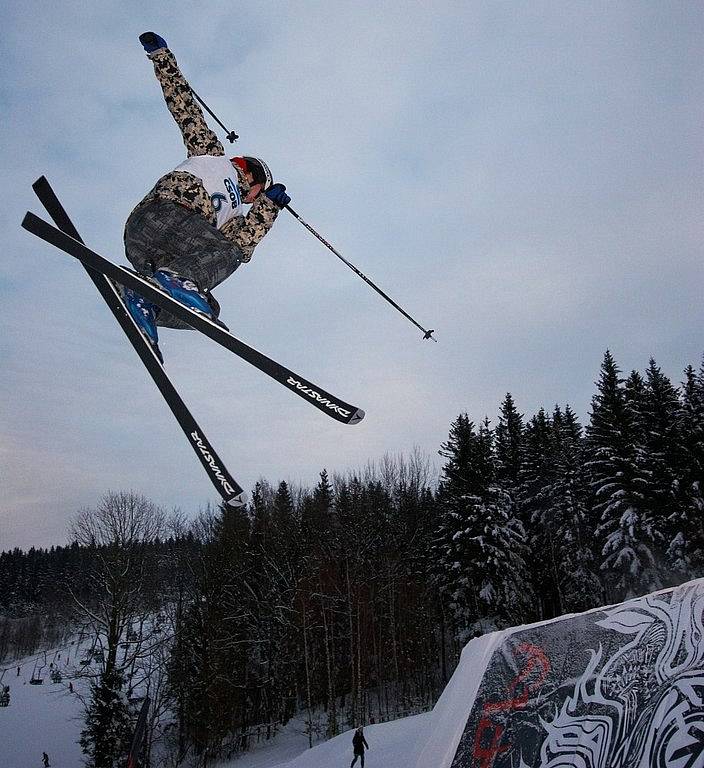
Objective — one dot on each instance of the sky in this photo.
(524, 177)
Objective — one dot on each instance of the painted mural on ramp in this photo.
(617, 687)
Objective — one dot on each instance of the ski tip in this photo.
(27, 221)
(357, 416)
(236, 502)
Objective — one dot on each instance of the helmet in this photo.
(257, 167)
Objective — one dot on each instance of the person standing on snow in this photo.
(45, 760)
(192, 230)
(358, 744)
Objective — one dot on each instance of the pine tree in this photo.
(317, 519)
(105, 739)
(285, 523)
(536, 475)
(635, 398)
(578, 587)
(498, 542)
(663, 455)
(278, 563)
(614, 463)
(480, 544)
(215, 643)
(508, 442)
(322, 541)
(465, 474)
(686, 546)
(469, 468)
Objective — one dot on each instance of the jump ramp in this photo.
(616, 687)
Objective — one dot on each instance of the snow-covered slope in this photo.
(41, 718)
(49, 718)
(391, 745)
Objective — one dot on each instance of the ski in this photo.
(231, 492)
(324, 401)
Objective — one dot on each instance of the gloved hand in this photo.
(277, 194)
(152, 42)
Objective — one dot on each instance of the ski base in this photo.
(231, 492)
(318, 397)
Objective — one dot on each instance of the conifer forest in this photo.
(350, 601)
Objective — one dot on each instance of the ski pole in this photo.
(151, 41)
(231, 135)
(426, 334)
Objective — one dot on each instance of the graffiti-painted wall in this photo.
(618, 687)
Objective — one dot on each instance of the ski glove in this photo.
(152, 42)
(277, 194)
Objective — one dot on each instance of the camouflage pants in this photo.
(165, 234)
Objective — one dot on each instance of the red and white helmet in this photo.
(257, 167)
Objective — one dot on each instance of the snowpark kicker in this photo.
(615, 687)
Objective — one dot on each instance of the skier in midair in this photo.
(359, 743)
(192, 230)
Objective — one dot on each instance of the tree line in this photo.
(349, 602)
(542, 517)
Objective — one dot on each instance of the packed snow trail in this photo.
(48, 718)
(41, 718)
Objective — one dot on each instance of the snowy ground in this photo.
(41, 718)
(48, 718)
(391, 745)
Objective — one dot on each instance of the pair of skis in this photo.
(105, 274)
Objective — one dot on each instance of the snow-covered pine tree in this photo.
(685, 553)
(578, 587)
(536, 504)
(502, 578)
(663, 457)
(509, 445)
(105, 738)
(466, 474)
(614, 460)
(469, 468)
(634, 398)
(480, 545)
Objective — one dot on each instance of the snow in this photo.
(444, 728)
(391, 745)
(40, 718)
(48, 718)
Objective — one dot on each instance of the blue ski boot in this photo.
(187, 293)
(144, 314)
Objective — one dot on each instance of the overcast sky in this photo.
(525, 177)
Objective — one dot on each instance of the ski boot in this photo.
(185, 291)
(144, 314)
